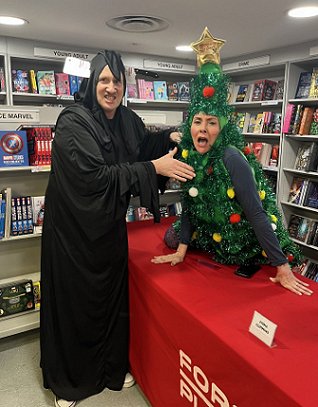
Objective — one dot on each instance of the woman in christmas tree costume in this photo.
(229, 210)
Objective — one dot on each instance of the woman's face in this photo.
(204, 131)
(109, 92)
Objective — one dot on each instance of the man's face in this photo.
(109, 92)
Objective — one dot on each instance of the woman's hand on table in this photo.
(288, 280)
(173, 259)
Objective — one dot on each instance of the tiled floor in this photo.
(21, 381)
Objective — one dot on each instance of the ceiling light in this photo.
(12, 20)
(302, 12)
(184, 48)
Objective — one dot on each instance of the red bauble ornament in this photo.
(290, 258)
(209, 170)
(235, 218)
(208, 91)
(246, 150)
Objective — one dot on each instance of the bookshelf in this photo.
(290, 150)
(249, 108)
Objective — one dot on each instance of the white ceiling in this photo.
(248, 26)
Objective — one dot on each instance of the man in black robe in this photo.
(100, 156)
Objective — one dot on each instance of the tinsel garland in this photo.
(220, 225)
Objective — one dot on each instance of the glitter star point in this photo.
(207, 48)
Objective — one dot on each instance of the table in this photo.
(190, 341)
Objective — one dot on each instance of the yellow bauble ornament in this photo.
(230, 193)
(262, 194)
(217, 237)
(274, 218)
(264, 253)
(185, 153)
(194, 235)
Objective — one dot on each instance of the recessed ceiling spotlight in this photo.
(303, 12)
(7, 20)
(184, 48)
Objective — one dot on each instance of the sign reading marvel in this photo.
(197, 388)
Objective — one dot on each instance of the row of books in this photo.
(303, 192)
(259, 123)
(141, 213)
(301, 120)
(267, 154)
(307, 86)
(307, 157)
(309, 269)
(158, 90)
(303, 229)
(20, 215)
(2, 80)
(31, 146)
(44, 82)
(260, 90)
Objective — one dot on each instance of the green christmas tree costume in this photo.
(220, 225)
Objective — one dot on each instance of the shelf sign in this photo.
(313, 50)
(247, 63)
(263, 329)
(168, 66)
(19, 116)
(61, 54)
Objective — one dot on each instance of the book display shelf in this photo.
(259, 112)
(299, 158)
(20, 255)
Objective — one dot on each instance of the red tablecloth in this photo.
(190, 344)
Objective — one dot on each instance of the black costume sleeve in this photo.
(247, 195)
(186, 229)
(88, 184)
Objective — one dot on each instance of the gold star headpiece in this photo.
(207, 48)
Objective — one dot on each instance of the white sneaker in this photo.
(129, 381)
(63, 403)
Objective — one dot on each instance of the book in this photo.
(303, 86)
(2, 215)
(314, 124)
(303, 229)
(273, 160)
(259, 123)
(172, 90)
(293, 225)
(311, 197)
(6, 211)
(46, 82)
(279, 93)
(62, 84)
(313, 91)
(184, 91)
(264, 89)
(2, 80)
(312, 233)
(160, 90)
(295, 190)
(20, 81)
(73, 83)
(297, 119)
(306, 157)
(13, 149)
(275, 124)
(306, 120)
(38, 209)
(242, 92)
(289, 118)
(269, 89)
(132, 91)
(33, 83)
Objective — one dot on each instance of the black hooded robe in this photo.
(96, 165)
